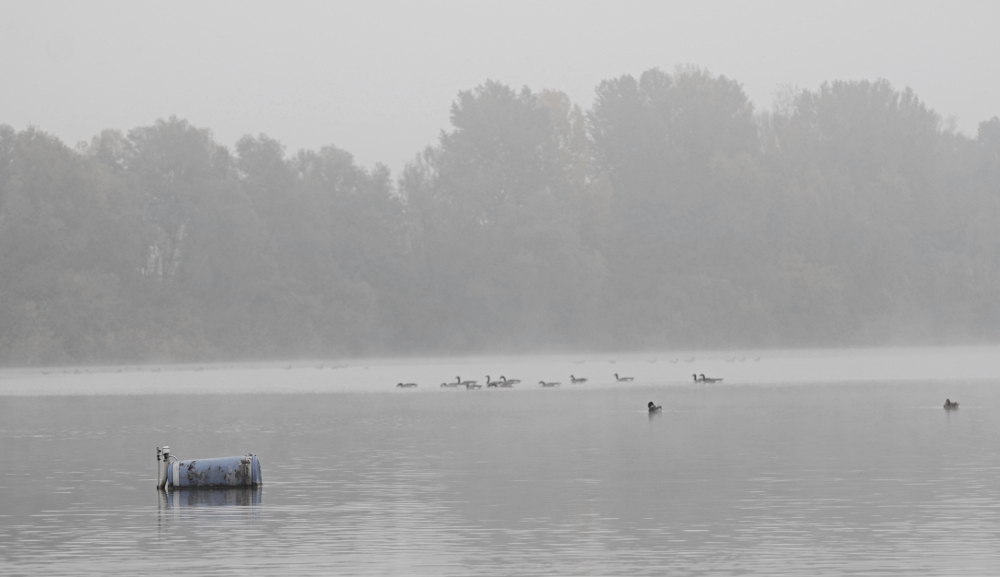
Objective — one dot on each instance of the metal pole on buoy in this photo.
(163, 454)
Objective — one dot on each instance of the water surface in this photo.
(822, 462)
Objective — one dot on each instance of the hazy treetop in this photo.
(370, 77)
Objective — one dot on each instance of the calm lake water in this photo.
(799, 463)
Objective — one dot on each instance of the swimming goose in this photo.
(949, 404)
(576, 380)
(654, 408)
(473, 386)
(464, 383)
(623, 379)
(405, 385)
(490, 383)
(695, 378)
(508, 382)
(705, 379)
(544, 384)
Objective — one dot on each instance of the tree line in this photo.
(671, 213)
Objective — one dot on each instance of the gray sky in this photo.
(377, 78)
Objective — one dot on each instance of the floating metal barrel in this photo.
(243, 471)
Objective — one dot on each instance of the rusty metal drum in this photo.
(243, 471)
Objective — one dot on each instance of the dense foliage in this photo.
(669, 214)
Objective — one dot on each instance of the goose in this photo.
(577, 380)
(490, 383)
(949, 404)
(464, 383)
(405, 385)
(507, 381)
(544, 384)
(653, 408)
(695, 378)
(705, 379)
(623, 379)
(473, 386)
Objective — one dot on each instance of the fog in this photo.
(376, 78)
(185, 183)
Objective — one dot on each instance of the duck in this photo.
(405, 385)
(510, 381)
(623, 379)
(705, 379)
(549, 384)
(577, 380)
(949, 404)
(654, 408)
(490, 383)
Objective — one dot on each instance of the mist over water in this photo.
(855, 469)
(236, 253)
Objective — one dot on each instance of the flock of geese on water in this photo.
(505, 383)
